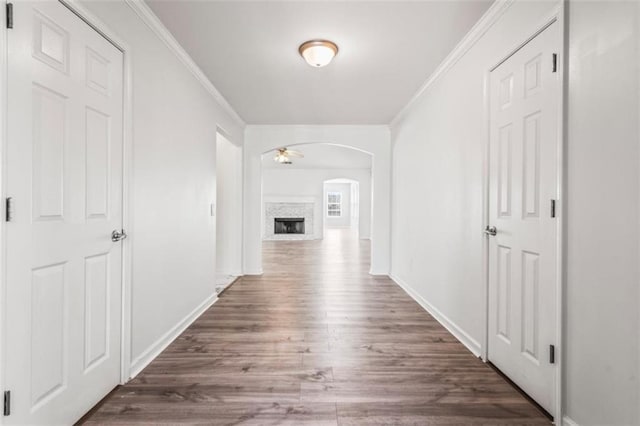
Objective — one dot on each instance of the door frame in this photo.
(104, 30)
(556, 15)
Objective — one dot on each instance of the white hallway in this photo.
(410, 86)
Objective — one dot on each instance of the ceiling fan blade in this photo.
(283, 155)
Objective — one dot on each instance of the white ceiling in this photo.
(248, 49)
(321, 156)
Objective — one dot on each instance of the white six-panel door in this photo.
(64, 173)
(523, 179)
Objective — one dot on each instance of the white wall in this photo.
(603, 196)
(437, 199)
(372, 139)
(286, 184)
(173, 184)
(344, 221)
(438, 179)
(228, 207)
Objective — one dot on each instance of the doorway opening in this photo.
(297, 191)
(227, 209)
(341, 205)
(522, 251)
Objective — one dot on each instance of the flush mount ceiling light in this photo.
(318, 53)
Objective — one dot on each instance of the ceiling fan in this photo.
(283, 155)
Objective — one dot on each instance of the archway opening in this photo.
(294, 195)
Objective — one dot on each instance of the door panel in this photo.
(503, 283)
(523, 180)
(49, 119)
(64, 173)
(97, 163)
(96, 319)
(530, 313)
(48, 332)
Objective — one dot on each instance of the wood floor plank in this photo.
(316, 340)
(440, 413)
(190, 413)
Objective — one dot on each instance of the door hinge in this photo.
(553, 208)
(552, 354)
(7, 403)
(8, 209)
(9, 15)
(554, 66)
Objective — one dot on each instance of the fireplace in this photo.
(288, 220)
(288, 225)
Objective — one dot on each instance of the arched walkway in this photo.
(373, 140)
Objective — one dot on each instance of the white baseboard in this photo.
(383, 273)
(453, 328)
(256, 272)
(567, 421)
(161, 344)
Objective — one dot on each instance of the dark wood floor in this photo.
(317, 340)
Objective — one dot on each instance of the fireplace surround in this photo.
(288, 220)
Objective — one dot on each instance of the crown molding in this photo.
(490, 17)
(153, 22)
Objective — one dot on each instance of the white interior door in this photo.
(523, 179)
(64, 174)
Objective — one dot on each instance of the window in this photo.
(334, 204)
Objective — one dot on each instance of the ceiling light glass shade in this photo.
(318, 53)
